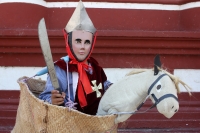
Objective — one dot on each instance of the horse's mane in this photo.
(175, 79)
(136, 71)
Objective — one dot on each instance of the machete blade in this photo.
(45, 46)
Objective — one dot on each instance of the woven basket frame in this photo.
(37, 116)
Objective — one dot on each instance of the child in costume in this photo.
(82, 75)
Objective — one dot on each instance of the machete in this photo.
(45, 46)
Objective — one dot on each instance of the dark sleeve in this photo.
(106, 82)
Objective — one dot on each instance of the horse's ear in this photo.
(157, 64)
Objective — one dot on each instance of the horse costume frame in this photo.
(35, 115)
(127, 96)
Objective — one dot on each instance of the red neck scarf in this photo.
(84, 86)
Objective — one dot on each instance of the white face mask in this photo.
(81, 44)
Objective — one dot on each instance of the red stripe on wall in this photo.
(18, 16)
(186, 119)
(111, 50)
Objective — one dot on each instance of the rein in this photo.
(70, 104)
(157, 100)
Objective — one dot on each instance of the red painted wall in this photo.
(131, 40)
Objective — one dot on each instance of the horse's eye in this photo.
(158, 87)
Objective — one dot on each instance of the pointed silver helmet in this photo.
(80, 20)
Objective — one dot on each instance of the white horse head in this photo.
(129, 94)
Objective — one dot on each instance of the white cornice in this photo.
(107, 5)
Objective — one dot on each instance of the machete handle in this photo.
(58, 89)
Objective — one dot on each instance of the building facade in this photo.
(129, 35)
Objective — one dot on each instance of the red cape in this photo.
(98, 75)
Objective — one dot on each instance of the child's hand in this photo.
(57, 98)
